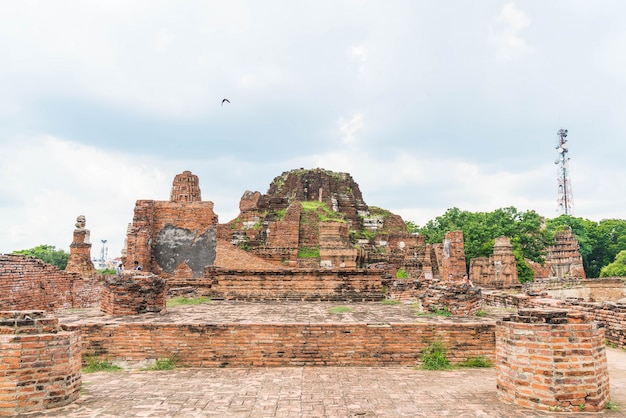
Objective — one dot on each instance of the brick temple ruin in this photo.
(311, 237)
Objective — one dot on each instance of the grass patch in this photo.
(402, 274)
(480, 312)
(434, 357)
(476, 362)
(340, 309)
(308, 252)
(389, 302)
(94, 364)
(612, 406)
(168, 363)
(435, 312)
(187, 301)
(324, 213)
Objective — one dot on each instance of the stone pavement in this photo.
(310, 392)
(301, 391)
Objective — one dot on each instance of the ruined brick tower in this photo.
(79, 260)
(498, 270)
(175, 237)
(564, 257)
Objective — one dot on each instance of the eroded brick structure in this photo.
(498, 270)
(551, 360)
(79, 261)
(563, 260)
(296, 284)
(133, 294)
(29, 283)
(451, 257)
(40, 364)
(175, 237)
(564, 257)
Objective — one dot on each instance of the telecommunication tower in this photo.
(565, 199)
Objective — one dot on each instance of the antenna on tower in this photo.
(565, 198)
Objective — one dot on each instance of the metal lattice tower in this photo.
(565, 198)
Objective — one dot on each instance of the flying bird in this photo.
(225, 100)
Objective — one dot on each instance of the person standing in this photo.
(137, 265)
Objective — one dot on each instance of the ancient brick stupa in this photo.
(175, 237)
(80, 251)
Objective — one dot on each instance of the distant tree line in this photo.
(531, 235)
(48, 254)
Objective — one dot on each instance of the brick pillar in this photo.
(551, 360)
(453, 266)
(132, 295)
(79, 260)
(40, 365)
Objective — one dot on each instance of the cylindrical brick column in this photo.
(132, 295)
(40, 365)
(551, 360)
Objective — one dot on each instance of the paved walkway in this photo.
(309, 392)
(301, 391)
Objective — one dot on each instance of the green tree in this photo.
(617, 268)
(480, 229)
(48, 254)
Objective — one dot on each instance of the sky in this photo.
(429, 105)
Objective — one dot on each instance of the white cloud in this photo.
(54, 180)
(163, 40)
(358, 54)
(505, 36)
(349, 129)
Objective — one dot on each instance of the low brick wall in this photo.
(40, 365)
(29, 283)
(551, 360)
(610, 315)
(281, 345)
(296, 284)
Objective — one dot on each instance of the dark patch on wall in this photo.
(175, 245)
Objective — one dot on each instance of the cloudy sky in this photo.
(427, 104)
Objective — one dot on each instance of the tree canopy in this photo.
(530, 234)
(48, 254)
(616, 268)
(480, 229)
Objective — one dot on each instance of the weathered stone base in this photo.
(40, 365)
(551, 360)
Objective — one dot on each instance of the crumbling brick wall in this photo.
(611, 315)
(29, 283)
(134, 294)
(283, 345)
(296, 284)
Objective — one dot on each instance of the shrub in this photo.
(434, 357)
